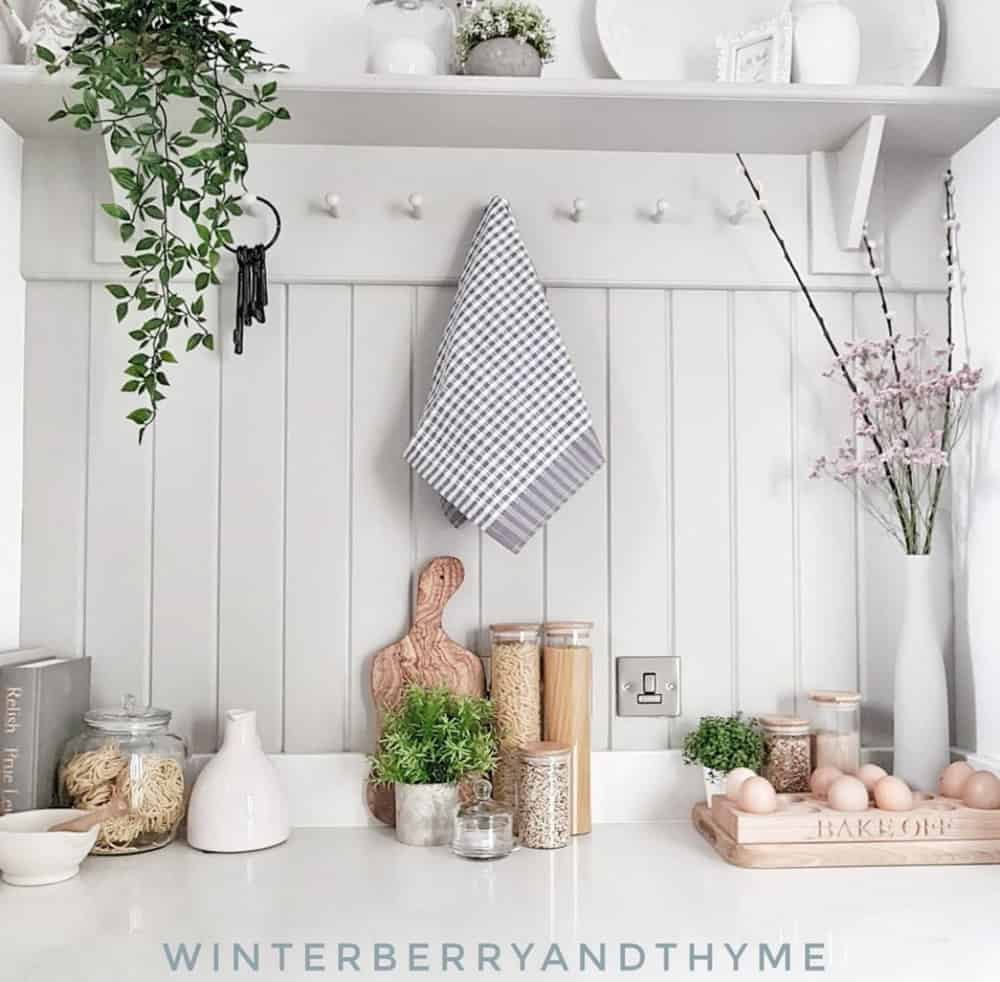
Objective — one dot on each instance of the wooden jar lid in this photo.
(789, 725)
(511, 628)
(545, 748)
(833, 696)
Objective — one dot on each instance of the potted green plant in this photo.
(138, 65)
(430, 742)
(720, 744)
(506, 37)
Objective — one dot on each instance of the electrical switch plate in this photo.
(649, 686)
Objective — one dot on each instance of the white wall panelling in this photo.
(11, 389)
(703, 537)
(262, 545)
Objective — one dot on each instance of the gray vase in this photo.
(504, 56)
(425, 813)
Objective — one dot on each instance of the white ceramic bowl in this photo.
(31, 856)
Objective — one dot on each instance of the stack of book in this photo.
(42, 700)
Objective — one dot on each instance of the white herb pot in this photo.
(827, 45)
(238, 803)
(425, 813)
(920, 705)
(715, 783)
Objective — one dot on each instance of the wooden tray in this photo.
(802, 855)
(805, 818)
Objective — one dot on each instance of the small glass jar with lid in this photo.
(836, 725)
(787, 753)
(484, 829)
(516, 694)
(544, 803)
(410, 37)
(127, 765)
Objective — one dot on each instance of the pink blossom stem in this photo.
(898, 501)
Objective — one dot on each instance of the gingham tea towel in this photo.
(506, 436)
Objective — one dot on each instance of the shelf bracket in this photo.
(841, 188)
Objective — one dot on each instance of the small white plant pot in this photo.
(715, 783)
(425, 813)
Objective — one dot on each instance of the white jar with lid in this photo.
(836, 726)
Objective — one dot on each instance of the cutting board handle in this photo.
(438, 583)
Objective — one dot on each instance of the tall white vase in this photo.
(827, 45)
(920, 706)
(238, 803)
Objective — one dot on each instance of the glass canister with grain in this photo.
(787, 753)
(516, 694)
(545, 795)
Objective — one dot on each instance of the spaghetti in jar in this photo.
(127, 765)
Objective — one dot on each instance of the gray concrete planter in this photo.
(504, 56)
(425, 813)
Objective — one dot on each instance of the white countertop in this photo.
(640, 884)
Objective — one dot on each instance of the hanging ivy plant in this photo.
(137, 60)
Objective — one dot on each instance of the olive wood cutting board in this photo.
(804, 818)
(426, 657)
(873, 852)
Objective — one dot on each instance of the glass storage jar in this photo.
(516, 694)
(483, 829)
(544, 800)
(567, 699)
(127, 764)
(787, 754)
(836, 724)
(410, 37)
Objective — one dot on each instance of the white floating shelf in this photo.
(587, 114)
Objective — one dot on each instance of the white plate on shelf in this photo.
(673, 40)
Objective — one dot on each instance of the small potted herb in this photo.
(721, 744)
(505, 37)
(430, 742)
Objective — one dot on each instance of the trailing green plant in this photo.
(525, 22)
(136, 60)
(723, 743)
(435, 737)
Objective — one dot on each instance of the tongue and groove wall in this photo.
(261, 545)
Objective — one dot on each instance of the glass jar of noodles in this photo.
(127, 766)
(516, 694)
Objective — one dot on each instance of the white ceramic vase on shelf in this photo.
(238, 803)
(920, 705)
(827, 45)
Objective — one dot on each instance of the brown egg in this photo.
(757, 796)
(953, 779)
(735, 780)
(893, 795)
(869, 775)
(982, 791)
(848, 794)
(822, 778)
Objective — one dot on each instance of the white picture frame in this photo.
(762, 54)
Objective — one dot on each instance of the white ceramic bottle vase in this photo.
(827, 45)
(920, 706)
(238, 803)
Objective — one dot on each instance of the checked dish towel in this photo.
(506, 436)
